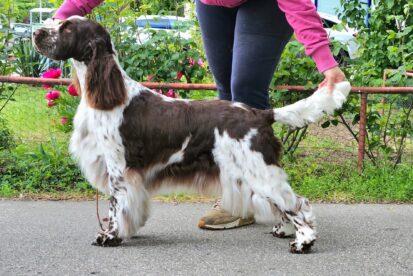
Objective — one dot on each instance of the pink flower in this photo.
(52, 95)
(200, 62)
(171, 94)
(64, 120)
(191, 61)
(159, 91)
(178, 75)
(72, 91)
(50, 103)
(52, 73)
(149, 77)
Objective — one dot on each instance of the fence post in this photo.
(362, 131)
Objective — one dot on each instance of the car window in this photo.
(154, 23)
(46, 15)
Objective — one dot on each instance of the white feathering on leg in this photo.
(312, 109)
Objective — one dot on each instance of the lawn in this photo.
(29, 118)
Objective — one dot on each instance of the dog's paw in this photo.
(282, 230)
(300, 248)
(106, 240)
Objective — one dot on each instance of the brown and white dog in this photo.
(130, 141)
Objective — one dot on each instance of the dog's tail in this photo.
(312, 109)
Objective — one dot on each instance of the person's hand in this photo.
(332, 76)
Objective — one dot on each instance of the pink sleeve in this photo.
(308, 28)
(76, 7)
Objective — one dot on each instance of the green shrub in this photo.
(46, 169)
(386, 43)
(28, 63)
(6, 138)
(163, 57)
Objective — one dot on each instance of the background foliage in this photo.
(387, 43)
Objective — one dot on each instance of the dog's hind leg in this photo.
(250, 184)
(284, 229)
(296, 213)
(303, 220)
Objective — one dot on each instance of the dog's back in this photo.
(172, 141)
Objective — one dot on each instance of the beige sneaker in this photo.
(219, 219)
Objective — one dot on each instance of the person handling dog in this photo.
(243, 41)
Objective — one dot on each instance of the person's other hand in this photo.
(332, 76)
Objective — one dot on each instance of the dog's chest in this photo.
(96, 135)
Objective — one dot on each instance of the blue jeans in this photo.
(243, 46)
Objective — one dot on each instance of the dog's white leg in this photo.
(296, 211)
(285, 229)
(136, 210)
(249, 183)
(128, 196)
(271, 187)
(303, 220)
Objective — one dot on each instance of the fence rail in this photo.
(363, 91)
(201, 86)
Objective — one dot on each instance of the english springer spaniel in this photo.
(130, 141)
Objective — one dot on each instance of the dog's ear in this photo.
(105, 87)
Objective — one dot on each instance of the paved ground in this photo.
(53, 238)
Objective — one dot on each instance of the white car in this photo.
(346, 36)
(146, 23)
(37, 17)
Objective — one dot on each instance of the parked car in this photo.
(36, 19)
(21, 30)
(149, 23)
(346, 36)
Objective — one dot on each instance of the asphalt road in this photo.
(53, 238)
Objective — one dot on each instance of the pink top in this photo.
(300, 14)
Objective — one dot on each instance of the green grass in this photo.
(28, 116)
(332, 182)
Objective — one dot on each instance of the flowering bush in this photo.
(52, 95)
(52, 73)
(64, 103)
(163, 57)
(72, 91)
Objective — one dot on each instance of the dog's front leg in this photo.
(110, 236)
(128, 211)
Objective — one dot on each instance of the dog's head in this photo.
(76, 37)
(89, 43)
